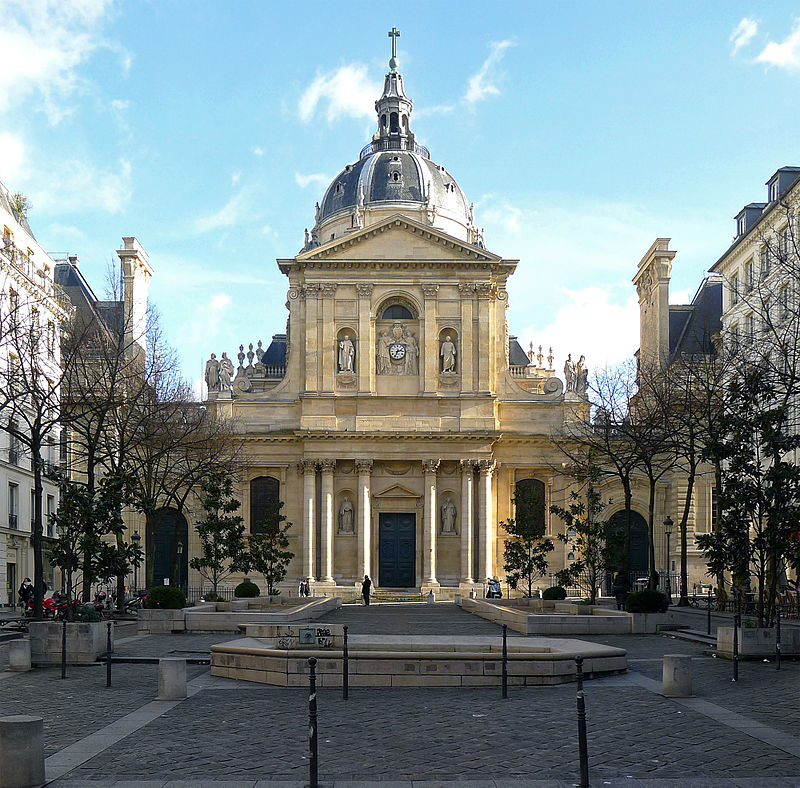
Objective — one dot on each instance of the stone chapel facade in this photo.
(396, 416)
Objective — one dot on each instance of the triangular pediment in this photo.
(398, 238)
(396, 491)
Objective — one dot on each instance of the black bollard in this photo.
(312, 720)
(579, 672)
(64, 647)
(736, 647)
(108, 656)
(505, 662)
(777, 637)
(709, 611)
(583, 750)
(345, 667)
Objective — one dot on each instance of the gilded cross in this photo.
(394, 34)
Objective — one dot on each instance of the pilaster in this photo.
(486, 504)
(364, 471)
(308, 468)
(431, 383)
(326, 572)
(467, 293)
(329, 355)
(310, 293)
(467, 519)
(365, 355)
(429, 468)
(484, 291)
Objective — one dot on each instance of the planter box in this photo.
(86, 641)
(161, 622)
(758, 641)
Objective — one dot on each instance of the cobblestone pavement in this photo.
(241, 731)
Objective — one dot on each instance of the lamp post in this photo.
(135, 538)
(180, 564)
(668, 533)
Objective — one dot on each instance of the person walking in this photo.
(25, 593)
(365, 589)
(621, 587)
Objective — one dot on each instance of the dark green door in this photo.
(397, 545)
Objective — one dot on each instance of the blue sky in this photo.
(582, 131)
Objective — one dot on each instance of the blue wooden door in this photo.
(397, 546)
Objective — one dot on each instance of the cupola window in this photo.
(393, 127)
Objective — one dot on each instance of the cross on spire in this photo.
(394, 34)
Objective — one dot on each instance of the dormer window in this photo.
(741, 226)
(773, 190)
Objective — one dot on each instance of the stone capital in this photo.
(430, 466)
(484, 289)
(328, 290)
(430, 291)
(487, 467)
(327, 466)
(468, 466)
(466, 289)
(364, 290)
(307, 466)
(310, 291)
(363, 467)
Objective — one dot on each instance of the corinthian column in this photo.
(328, 467)
(486, 517)
(364, 469)
(309, 470)
(467, 519)
(429, 468)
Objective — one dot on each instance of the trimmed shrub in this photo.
(554, 592)
(87, 613)
(166, 598)
(247, 588)
(646, 602)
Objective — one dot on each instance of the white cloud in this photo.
(118, 105)
(743, 34)
(484, 82)
(44, 42)
(312, 178)
(680, 296)
(12, 154)
(785, 54)
(227, 216)
(235, 176)
(267, 230)
(257, 152)
(78, 186)
(348, 92)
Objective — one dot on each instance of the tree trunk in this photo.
(652, 583)
(38, 561)
(684, 600)
(86, 589)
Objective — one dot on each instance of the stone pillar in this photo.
(308, 469)
(429, 520)
(328, 467)
(21, 751)
(676, 679)
(430, 367)
(364, 510)
(329, 355)
(310, 293)
(467, 292)
(19, 655)
(484, 290)
(486, 468)
(171, 678)
(365, 355)
(467, 519)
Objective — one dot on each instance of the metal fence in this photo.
(194, 593)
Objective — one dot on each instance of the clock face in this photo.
(397, 350)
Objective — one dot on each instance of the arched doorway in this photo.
(171, 548)
(638, 553)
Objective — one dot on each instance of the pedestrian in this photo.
(25, 593)
(365, 589)
(621, 587)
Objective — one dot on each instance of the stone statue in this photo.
(316, 213)
(412, 353)
(305, 241)
(581, 377)
(225, 373)
(212, 374)
(448, 354)
(383, 363)
(448, 516)
(569, 374)
(347, 353)
(346, 517)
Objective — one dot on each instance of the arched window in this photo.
(397, 312)
(265, 491)
(393, 127)
(529, 502)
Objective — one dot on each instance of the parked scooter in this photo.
(52, 606)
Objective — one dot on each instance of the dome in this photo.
(393, 174)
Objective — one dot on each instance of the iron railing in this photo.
(393, 144)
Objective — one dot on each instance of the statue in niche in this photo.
(448, 516)
(569, 374)
(412, 353)
(581, 377)
(225, 373)
(347, 354)
(346, 517)
(212, 374)
(383, 364)
(448, 354)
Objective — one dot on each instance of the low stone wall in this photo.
(758, 641)
(230, 616)
(86, 641)
(282, 660)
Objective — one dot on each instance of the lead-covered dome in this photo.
(393, 174)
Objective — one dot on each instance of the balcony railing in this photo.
(24, 263)
(393, 143)
(12, 521)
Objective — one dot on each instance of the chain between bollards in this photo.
(312, 723)
(505, 661)
(709, 611)
(108, 656)
(345, 667)
(64, 647)
(579, 672)
(777, 637)
(583, 750)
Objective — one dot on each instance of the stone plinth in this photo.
(21, 752)
(86, 641)
(171, 678)
(19, 655)
(676, 679)
(759, 641)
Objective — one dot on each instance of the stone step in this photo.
(694, 636)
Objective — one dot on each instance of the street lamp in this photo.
(180, 563)
(135, 538)
(668, 532)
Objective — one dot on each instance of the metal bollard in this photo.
(579, 671)
(345, 667)
(505, 661)
(312, 720)
(108, 656)
(64, 648)
(777, 637)
(583, 750)
(736, 648)
(709, 611)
